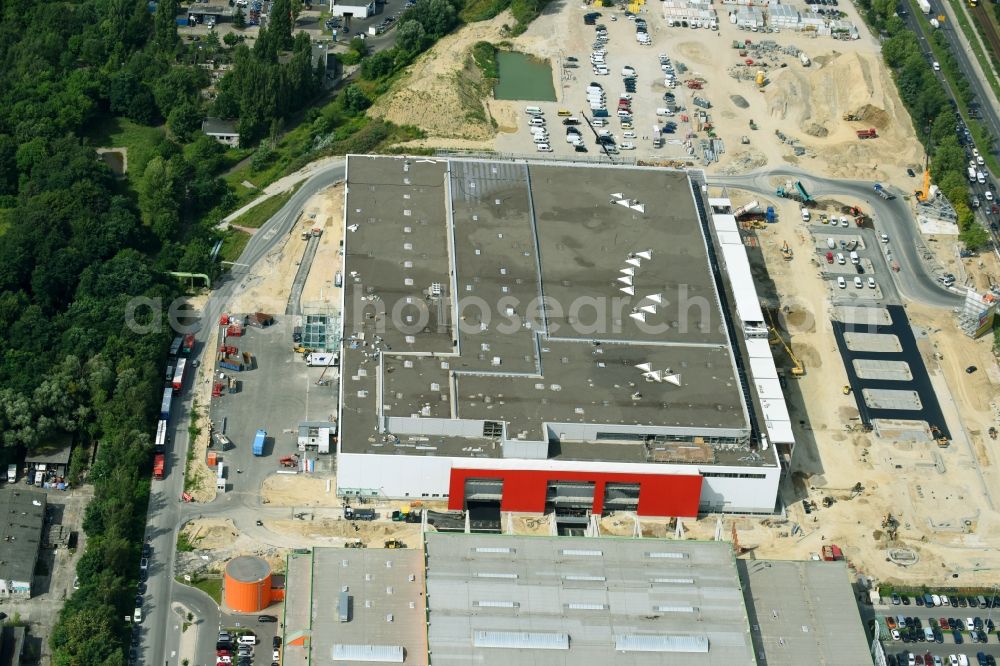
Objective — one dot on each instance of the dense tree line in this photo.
(934, 116)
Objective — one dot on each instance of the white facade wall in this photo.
(352, 8)
(401, 477)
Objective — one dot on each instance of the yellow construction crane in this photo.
(925, 190)
(798, 368)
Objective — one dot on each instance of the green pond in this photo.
(523, 77)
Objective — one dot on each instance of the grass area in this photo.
(233, 244)
(184, 544)
(140, 140)
(264, 211)
(5, 217)
(973, 36)
(212, 586)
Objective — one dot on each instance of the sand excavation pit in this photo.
(844, 93)
(210, 533)
(299, 491)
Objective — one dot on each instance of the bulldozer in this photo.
(939, 437)
(394, 543)
(299, 349)
(354, 543)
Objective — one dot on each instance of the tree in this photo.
(410, 36)
(165, 25)
(184, 121)
(158, 199)
(354, 99)
(974, 237)
(279, 24)
(378, 65)
(239, 19)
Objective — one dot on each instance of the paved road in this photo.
(989, 114)
(891, 217)
(166, 513)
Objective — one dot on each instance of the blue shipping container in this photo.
(258, 442)
(230, 366)
(168, 394)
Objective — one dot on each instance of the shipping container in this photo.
(159, 463)
(178, 383)
(258, 442)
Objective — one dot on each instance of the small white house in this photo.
(316, 436)
(223, 131)
(352, 8)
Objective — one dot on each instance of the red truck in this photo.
(832, 553)
(158, 465)
(867, 133)
(188, 345)
(829, 257)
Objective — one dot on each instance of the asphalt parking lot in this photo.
(264, 631)
(277, 394)
(873, 265)
(948, 646)
(574, 73)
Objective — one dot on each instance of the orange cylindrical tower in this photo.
(248, 584)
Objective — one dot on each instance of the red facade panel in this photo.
(675, 495)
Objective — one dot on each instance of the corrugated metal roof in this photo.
(647, 643)
(520, 639)
(392, 654)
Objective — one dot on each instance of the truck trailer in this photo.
(258, 442)
(159, 463)
(178, 382)
(160, 443)
(322, 360)
(168, 394)
(188, 345)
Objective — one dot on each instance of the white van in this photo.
(855, 259)
(537, 122)
(805, 215)
(247, 639)
(533, 110)
(664, 111)
(540, 138)
(598, 122)
(137, 615)
(543, 147)
(538, 130)
(840, 258)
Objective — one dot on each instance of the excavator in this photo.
(798, 368)
(924, 192)
(786, 252)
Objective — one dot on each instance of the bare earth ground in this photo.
(298, 490)
(328, 209)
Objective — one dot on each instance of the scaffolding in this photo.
(977, 313)
(321, 330)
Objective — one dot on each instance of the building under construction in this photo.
(512, 339)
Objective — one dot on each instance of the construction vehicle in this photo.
(925, 191)
(881, 191)
(939, 437)
(800, 188)
(354, 543)
(798, 368)
(847, 389)
(832, 553)
(299, 349)
(870, 133)
(291, 461)
(993, 432)
(748, 207)
(786, 251)
(753, 126)
(769, 215)
(890, 525)
(760, 79)
(394, 543)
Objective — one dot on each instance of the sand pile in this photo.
(429, 95)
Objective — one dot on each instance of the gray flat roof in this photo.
(51, 453)
(22, 516)
(803, 613)
(248, 569)
(447, 266)
(376, 590)
(558, 601)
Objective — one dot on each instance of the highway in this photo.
(891, 217)
(989, 114)
(161, 630)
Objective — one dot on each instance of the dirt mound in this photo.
(873, 115)
(816, 130)
(739, 101)
(439, 92)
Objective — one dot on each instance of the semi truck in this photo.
(925, 6)
(160, 443)
(175, 346)
(258, 442)
(972, 174)
(351, 513)
(168, 394)
(178, 382)
(881, 191)
(159, 463)
(188, 345)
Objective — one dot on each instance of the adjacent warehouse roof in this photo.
(22, 517)
(803, 613)
(560, 601)
(446, 264)
(384, 607)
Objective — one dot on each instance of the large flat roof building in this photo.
(551, 336)
(803, 613)
(496, 601)
(22, 517)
